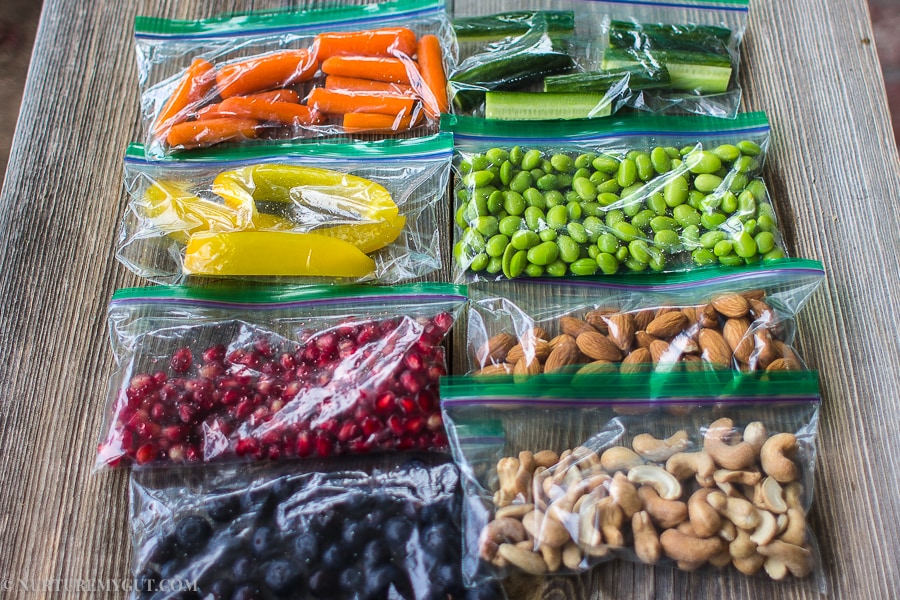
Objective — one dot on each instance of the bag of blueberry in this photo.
(342, 529)
(220, 374)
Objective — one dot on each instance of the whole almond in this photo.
(637, 362)
(779, 364)
(691, 313)
(708, 317)
(563, 355)
(598, 347)
(761, 311)
(499, 369)
(731, 305)
(790, 357)
(541, 334)
(664, 310)
(596, 319)
(621, 330)
(659, 351)
(531, 349)
(574, 327)
(643, 318)
(685, 344)
(668, 325)
(496, 349)
(643, 339)
(741, 343)
(598, 366)
(715, 348)
(754, 294)
(562, 338)
(765, 351)
(525, 369)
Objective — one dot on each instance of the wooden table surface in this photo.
(833, 171)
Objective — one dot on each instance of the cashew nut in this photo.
(742, 546)
(625, 495)
(506, 471)
(737, 510)
(775, 460)
(646, 542)
(651, 449)
(728, 531)
(658, 478)
(716, 442)
(797, 559)
(703, 517)
(499, 531)
(771, 496)
(685, 464)
(666, 513)
(541, 476)
(749, 565)
(545, 529)
(525, 560)
(571, 556)
(546, 458)
(796, 528)
(766, 529)
(552, 557)
(524, 474)
(588, 532)
(611, 519)
(775, 568)
(742, 477)
(619, 458)
(514, 511)
(793, 494)
(720, 560)
(586, 458)
(681, 547)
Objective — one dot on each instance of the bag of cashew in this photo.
(741, 319)
(696, 470)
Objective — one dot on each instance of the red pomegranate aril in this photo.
(324, 447)
(187, 413)
(444, 321)
(348, 432)
(327, 343)
(145, 454)
(160, 378)
(159, 412)
(263, 347)
(360, 447)
(410, 382)
(246, 446)
(230, 397)
(273, 452)
(144, 381)
(260, 413)
(214, 354)
(395, 424)
(406, 443)
(244, 410)
(182, 360)
(192, 454)
(137, 419)
(435, 422)
(385, 403)
(371, 426)
(276, 406)
(414, 425)
(306, 441)
(287, 362)
(211, 370)
(328, 426)
(176, 453)
(408, 405)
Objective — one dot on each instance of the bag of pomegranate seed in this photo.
(316, 212)
(222, 374)
(694, 470)
(741, 319)
(337, 529)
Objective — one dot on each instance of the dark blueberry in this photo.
(375, 553)
(220, 590)
(146, 581)
(306, 548)
(243, 568)
(263, 540)
(397, 531)
(435, 540)
(247, 592)
(352, 580)
(224, 507)
(322, 583)
(380, 579)
(354, 533)
(445, 579)
(357, 505)
(281, 576)
(192, 532)
(333, 557)
(166, 549)
(373, 521)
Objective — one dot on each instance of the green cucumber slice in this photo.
(496, 27)
(540, 106)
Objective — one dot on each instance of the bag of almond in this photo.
(709, 471)
(742, 319)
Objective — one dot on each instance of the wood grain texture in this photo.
(834, 173)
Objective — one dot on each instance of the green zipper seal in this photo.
(231, 294)
(595, 128)
(247, 22)
(333, 148)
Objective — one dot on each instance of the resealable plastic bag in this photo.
(583, 197)
(366, 528)
(216, 375)
(588, 59)
(742, 319)
(261, 76)
(701, 470)
(326, 211)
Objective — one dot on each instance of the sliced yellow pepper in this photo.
(345, 197)
(274, 253)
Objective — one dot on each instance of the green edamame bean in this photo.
(486, 226)
(497, 156)
(644, 166)
(727, 152)
(635, 265)
(479, 162)
(515, 155)
(543, 254)
(613, 217)
(712, 220)
(686, 215)
(607, 198)
(745, 245)
(690, 235)
(474, 240)
(662, 162)
(607, 243)
(731, 260)
(695, 199)
(578, 232)
(758, 189)
(643, 218)
(710, 203)
(750, 226)
(586, 190)
(569, 250)
(707, 183)
(514, 203)
(461, 254)
(465, 166)
(627, 173)
(702, 162)
(547, 182)
(510, 225)
(531, 160)
(506, 259)
(525, 239)
(765, 223)
(517, 264)
(657, 260)
(775, 254)
(548, 235)
(738, 182)
(723, 247)
(533, 197)
(608, 187)
(657, 203)
(534, 218)
(573, 211)
(506, 172)
(702, 257)
(607, 263)
(546, 165)
(496, 245)
(672, 152)
(495, 265)
(593, 251)
(676, 162)
(556, 269)
(537, 173)
(598, 177)
(632, 207)
(480, 262)
(591, 209)
(749, 148)
(625, 231)
(562, 163)
(639, 251)
(521, 182)
(667, 239)
(729, 203)
(571, 196)
(563, 180)
(495, 202)
(585, 173)
(584, 160)
(747, 204)
(605, 163)
(765, 242)
(745, 164)
(533, 270)
(460, 216)
(711, 238)
(675, 192)
(622, 254)
(554, 198)
(584, 267)
(557, 217)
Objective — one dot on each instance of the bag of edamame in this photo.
(630, 194)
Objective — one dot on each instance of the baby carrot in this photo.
(333, 101)
(261, 109)
(196, 83)
(432, 69)
(278, 69)
(390, 41)
(215, 111)
(354, 84)
(197, 134)
(377, 123)
(392, 70)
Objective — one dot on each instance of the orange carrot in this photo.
(392, 70)
(391, 41)
(354, 84)
(333, 101)
(432, 69)
(197, 82)
(196, 134)
(376, 123)
(215, 111)
(287, 113)
(278, 69)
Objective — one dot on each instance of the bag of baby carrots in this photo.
(262, 76)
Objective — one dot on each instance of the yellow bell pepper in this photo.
(344, 197)
(274, 253)
(177, 212)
